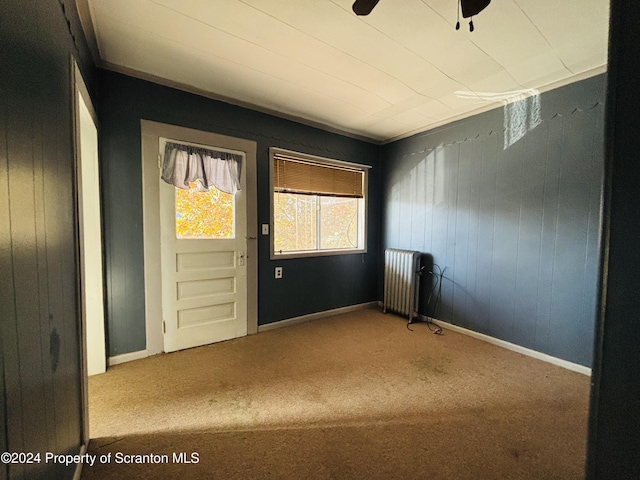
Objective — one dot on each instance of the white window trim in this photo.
(328, 161)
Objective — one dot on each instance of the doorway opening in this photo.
(90, 268)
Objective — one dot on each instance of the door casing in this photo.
(90, 287)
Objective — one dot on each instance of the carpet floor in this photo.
(353, 396)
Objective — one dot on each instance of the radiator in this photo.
(401, 282)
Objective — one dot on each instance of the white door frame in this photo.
(151, 133)
(89, 237)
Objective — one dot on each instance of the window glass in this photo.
(338, 222)
(294, 222)
(207, 214)
(318, 205)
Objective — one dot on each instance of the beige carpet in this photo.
(355, 396)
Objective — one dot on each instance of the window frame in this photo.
(323, 161)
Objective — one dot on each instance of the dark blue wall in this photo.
(614, 427)
(40, 381)
(509, 206)
(516, 228)
(309, 284)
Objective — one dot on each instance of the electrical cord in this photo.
(438, 329)
(433, 327)
(412, 320)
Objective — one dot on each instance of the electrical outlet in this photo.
(278, 272)
(265, 229)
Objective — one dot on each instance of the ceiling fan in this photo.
(469, 8)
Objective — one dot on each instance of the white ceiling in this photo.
(401, 70)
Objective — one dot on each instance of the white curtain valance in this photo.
(183, 164)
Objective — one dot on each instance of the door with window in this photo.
(203, 251)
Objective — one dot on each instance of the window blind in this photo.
(298, 175)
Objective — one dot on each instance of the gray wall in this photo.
(309, 284)
(41, 388)
(514, 223)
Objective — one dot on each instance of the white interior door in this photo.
(203, 256)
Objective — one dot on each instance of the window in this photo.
(318, 205)
(204, 213)
(206, 180)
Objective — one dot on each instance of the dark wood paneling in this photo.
(552, 155)
(481, 320)
(10, 378)
(614, 430)
(462, 229)
(41, 404)
(571, 240)
(474, 165)
(4, 469)
(20, 153)
(123, 102)
(508, 193)
(513, 223)
(530, 238)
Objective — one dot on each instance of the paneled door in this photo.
(204, 274)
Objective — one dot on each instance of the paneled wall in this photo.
(507, 204)
(309, 284)
(614, 428)
(41, 387)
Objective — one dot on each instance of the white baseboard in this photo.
(513, 347)
(127, 357)
(314, 316)
(78, 471)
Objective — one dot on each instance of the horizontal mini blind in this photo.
(299, 175)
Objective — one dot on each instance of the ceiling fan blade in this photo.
(472, 7)
(364, 7)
